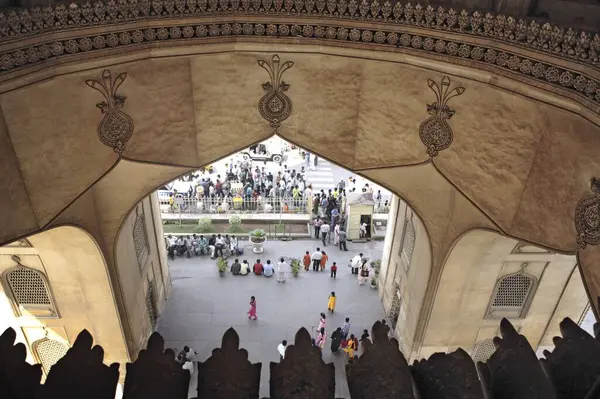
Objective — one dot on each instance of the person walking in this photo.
(350, 348)
(322, 321)
(321, 339)
(306, 261)
(324, 232)
(316, 161)
(307, 159)
(346, 328)
(336, 339)
(252, 311)
(333, 271)
(281, 266)
(281, 349)
(324, 259)
(342, 239)
(316, 259)
(317, 226)
(331, 302)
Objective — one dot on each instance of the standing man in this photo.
(317, 225)
(356, 262)
(324, 232)
(281, 349)
(342, 238)
(307, 159)
(316, 161)
(316, 259)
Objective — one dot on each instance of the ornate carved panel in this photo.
(303, 373)
(275, 106)
(116, 127)
(435, 132)
(140, 236)
(587, 217)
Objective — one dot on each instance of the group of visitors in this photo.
(259, 269)
(216, 245)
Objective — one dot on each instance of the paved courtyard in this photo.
(203, 305)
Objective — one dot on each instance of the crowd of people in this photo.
(216, 245)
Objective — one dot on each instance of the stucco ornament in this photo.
(435, 132)
(275, 106)
(587, 217)
(116, 127)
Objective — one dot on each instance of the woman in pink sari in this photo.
(321, 338)
(252, 311)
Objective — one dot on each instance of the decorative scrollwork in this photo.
(435, 132)
(587, 217)
(303, 373)
(116, 127)
(228, 374)
(275, 106)
(381, 371)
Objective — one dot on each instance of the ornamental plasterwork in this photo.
(587, 217)
(583, 87)
(275, 106)
(435, 132)
(545, 37)
(116, 127)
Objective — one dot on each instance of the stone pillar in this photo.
(587, 224)
(388, 244)
(161, 249)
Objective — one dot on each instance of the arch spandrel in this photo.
(52, 127)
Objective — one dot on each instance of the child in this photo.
(333, 270)
(331, 302)
(252, 311)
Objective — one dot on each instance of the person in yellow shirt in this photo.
(350, 348)
(331, 302)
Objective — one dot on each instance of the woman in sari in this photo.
(252, 311)
(350, 348)
(322, 322)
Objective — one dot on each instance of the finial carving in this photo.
(275, 106)
(435, 132)
(587, 217)
(116, 127)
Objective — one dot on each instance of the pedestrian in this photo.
(317, 226)
(316, 259)
(350, 348)
(364, 337)
(252, 311)
(336, 234)
(281, 266)
(333, 270)
(307, 159)
(336, 340)
(306, 260)
(324, 232)
(321, 338)
(219, 246)
(331, 302)
(385, 326)
(316, 160)
(281, 349)
(342, 239)
(322, 321)
(356, 262)
(323, 260)
(346, 328)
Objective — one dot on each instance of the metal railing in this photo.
(235, 205)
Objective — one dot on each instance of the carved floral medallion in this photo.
(116, 127)
(435, 132)
(275, 106)
(587, 217)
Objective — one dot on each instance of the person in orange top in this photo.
(323, 260)
(306, 261)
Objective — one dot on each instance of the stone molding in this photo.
(571, 82)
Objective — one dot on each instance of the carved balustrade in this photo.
(570, 371)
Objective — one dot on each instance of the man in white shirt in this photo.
(324, 232)
(219, 246)
(355, 263)
(316, 259)
(281, 349)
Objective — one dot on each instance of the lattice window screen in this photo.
(395, 308)
(140, 238)
(49, 352)
(408, 244)
(483, 350)
(28, 287)
(512, 291)
(151, 305)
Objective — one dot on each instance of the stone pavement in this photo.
(203, 305)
